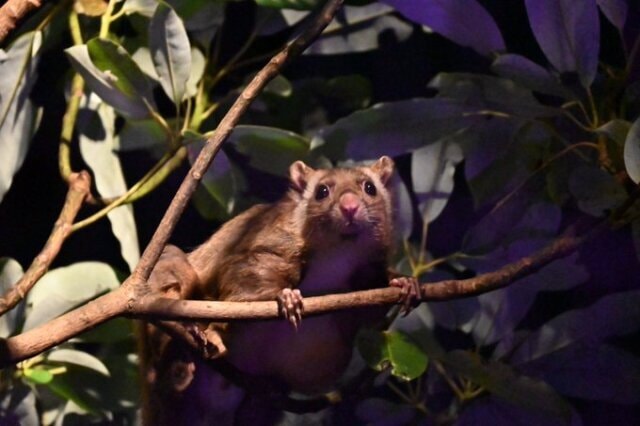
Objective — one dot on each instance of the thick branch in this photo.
(61, 329)
(124, 302)
(253, 89)
(12, 12)
(79, 187)
(438, 291)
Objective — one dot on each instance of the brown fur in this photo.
(301, 241)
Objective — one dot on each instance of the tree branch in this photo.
(153, 306)
(79, 189)
(125, 301)
(12, 12)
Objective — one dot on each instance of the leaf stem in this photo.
(105, 21)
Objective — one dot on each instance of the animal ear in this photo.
(299, 175)
(383, 168)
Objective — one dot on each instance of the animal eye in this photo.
(370, 188)
(322, 191)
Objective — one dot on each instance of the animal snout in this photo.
(349, 205)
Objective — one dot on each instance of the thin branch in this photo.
(12, 12)
(79, 188)
(251, 91)
(61, 329)
(158, 307)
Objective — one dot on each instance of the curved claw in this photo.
(410, 295)
(291, 305)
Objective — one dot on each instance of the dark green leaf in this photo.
(219, 181)
(530, 75)
(115, 330)
(616, 130)
(593, 372)
(596, 191)
(391, 129)
(394, 350)
(488, 94)
(379, 412)
(269, 149)
(289, 4)
(113, 75)
(613, 315)
(502, 381)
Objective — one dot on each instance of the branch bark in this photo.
(125, 302)
(153, 306)
(79, 189)
(12, 12)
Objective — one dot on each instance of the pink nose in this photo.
(349, 204)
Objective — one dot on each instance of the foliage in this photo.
(538, 145)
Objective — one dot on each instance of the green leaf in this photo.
(38, 376)
(113, 331)
(613, 315)
(97, 393)
(19, 118)
(171, 51)
(632, 152)
(392, 349)
(198, 65)
(113, 75)
(143, 7)
(10, 273)
(486, 93)
(219, 181)
(596, 191)
(79, 358)
(616, 130)
(64, 288)
(143, 134)
(432, 170)
(269, 149)
(289, 4)
(390, 129)
(98, 144)
(501, 380)
(530, 75)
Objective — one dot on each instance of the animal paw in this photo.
(410, 295)
(209, 340)
(291, 305)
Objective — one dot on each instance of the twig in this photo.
(12, 12)
(188, 186)
(79, 188)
